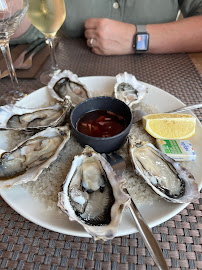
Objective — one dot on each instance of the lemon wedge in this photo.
(171, 126)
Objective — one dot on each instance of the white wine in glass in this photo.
(12, 13)
(48, 16)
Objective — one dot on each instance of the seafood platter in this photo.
(38, 149)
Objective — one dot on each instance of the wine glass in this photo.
(12, 13)
(48, 16)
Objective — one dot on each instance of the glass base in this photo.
(46, 76)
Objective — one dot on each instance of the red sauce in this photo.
(101, 123)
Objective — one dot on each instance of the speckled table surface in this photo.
(25, 245)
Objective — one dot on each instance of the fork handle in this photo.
(38, 48)
(148, 238)
(34, 44)
(185, 108)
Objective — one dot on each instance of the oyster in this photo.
(67, 85)
(164, 175)
(93, 195)
(128, 89)
(18, 118)
(26, 161)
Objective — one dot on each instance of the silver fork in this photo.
(19, 61)
(138, 114)
(119, 165)
(28, 62)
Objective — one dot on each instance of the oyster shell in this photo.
(164, 175)
(27, 160)
(128, 89)
(18, 118)
(92, 195)
(67, 85)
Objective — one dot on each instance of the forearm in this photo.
(181, 36)
(113, 37)
(26, 33)
(22, 28)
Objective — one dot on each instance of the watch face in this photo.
(142, 42)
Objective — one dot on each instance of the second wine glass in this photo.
(12, 13)
(48, 16)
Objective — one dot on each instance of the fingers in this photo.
(90, 34)
(91, 38)
(98, 51)
(95, 47)
(91, 42)
(91, 23)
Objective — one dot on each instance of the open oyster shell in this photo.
(19, 118)
(28, 159)
(67, 85)
(92, 195)
(128, 89)
(164, 175)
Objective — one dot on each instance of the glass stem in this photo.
(54, 65)
(7, 55)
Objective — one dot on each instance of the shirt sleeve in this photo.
(29, 36)
(190, 7)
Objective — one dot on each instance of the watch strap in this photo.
(141, 28)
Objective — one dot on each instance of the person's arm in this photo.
(26, 33)
(181, 36)
(115, 38)
(24, 26)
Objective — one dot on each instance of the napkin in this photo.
(38, 61)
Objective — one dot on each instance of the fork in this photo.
(138, 114)
(119, 165)
(20, 59)
(28, 62)
(18, 62)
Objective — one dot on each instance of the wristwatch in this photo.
(141, 39)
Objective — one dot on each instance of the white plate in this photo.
(22, 202)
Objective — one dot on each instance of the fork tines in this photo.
(116, 161)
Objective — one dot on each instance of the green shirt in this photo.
(130, 11)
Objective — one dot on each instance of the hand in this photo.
(109, 37)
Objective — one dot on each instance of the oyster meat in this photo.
(27, 160)
(67, 85)
(18, 118)
(93, 195)
(128, 89)
(164, 175)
